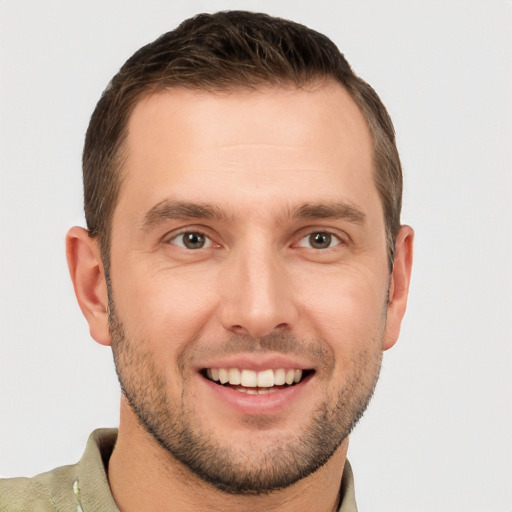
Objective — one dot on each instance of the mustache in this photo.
(282, 343)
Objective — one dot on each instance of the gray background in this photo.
(438, 434)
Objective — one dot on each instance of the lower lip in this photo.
(258, 405)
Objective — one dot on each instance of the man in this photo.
(245, 260)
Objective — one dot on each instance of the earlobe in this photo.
(88, 277)
(399, 285)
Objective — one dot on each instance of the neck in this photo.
(144, 476)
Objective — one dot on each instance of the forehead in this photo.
(245, 146)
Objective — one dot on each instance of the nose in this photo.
(257, 294)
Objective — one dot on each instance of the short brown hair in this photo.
(218, 52)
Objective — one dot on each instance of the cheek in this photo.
(164, 308)
(347, 311)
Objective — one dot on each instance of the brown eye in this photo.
(320, 240)
(191, 240)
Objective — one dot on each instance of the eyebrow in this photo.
(173, 210)
(176, 210)
(342, 211)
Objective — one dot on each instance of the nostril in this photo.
(241, 330)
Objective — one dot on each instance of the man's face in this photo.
(248, 244)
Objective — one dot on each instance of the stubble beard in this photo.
(233, 469)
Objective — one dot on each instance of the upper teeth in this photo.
(252, 379)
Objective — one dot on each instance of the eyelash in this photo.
(197, 234)
(331, 237)
(209, 243)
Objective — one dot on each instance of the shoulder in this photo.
(82, 486)
(51, 491)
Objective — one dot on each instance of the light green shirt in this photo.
(84, 487)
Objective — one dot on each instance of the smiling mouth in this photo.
(256, 383)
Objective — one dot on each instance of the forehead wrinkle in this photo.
(174, 210)
(256, 145)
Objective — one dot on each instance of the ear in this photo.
(88, 276)
(399, 285)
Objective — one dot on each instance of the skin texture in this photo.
(260, 174)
